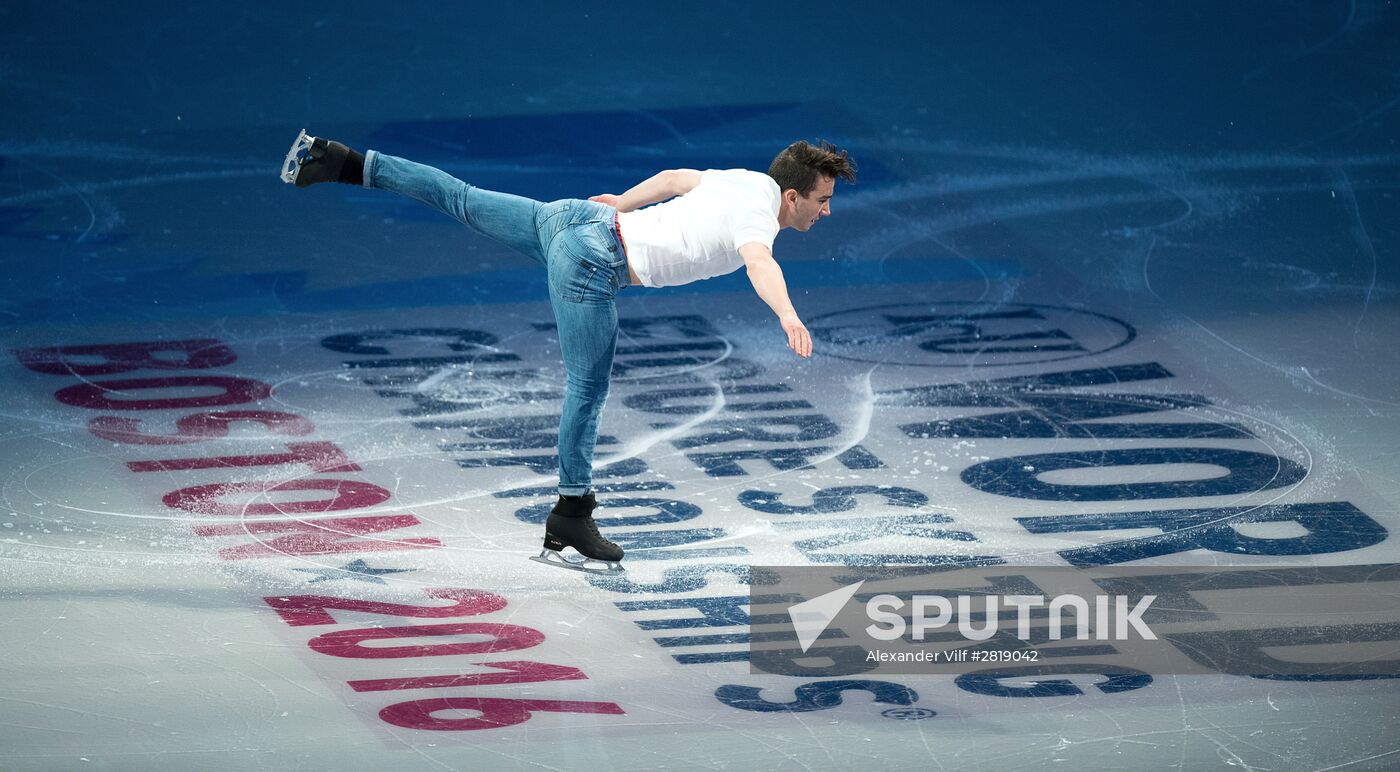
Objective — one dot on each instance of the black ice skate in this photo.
(312, 160)
(571, 524)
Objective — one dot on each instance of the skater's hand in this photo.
(605, 198)
(799, 340)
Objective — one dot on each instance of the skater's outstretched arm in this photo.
(654, 189)
(768, 282)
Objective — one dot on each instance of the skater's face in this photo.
(813, 206)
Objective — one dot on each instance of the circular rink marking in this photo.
(966, 334)
(908, 714)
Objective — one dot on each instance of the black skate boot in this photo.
(571, 524)
(312, 160)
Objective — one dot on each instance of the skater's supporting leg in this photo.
(586, 268)
(587, 339)
(571, 524)
(511, 220)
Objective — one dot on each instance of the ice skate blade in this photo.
(550, 557)
(292, 164)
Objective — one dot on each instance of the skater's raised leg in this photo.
(512, 220)
(313, 160)
(509, 219)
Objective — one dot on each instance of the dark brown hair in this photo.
(799, 164)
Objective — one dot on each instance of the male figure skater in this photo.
(710, 223)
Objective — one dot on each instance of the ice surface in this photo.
(1020, 290)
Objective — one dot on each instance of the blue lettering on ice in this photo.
(674, 401)
(844, 499)
(722, 611)
(1019, 476)
(991, 682)
(807, 428)
(831, 500)
(1042, 411)
(366, 343)
(725, 464)
(1331, 527)
(674, 581)
(721, 639)
(820, 695)
(1059, 415)
(600, 489)
(493, 434)
(655, 545)
(1003, 392)
(854, 530)
(712, 657)
(547, 465)
(965, 335)
(459, 399)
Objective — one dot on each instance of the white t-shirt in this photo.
(698, 235)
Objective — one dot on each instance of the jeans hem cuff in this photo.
(370, 157)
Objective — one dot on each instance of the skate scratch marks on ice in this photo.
(133, 182)
(865, 413)
(645, 443)
(1292, 372)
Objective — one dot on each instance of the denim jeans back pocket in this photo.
(582, 267)
(616, 254)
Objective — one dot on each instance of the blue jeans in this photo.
(577, 243)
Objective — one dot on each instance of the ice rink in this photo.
(1117, 286)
